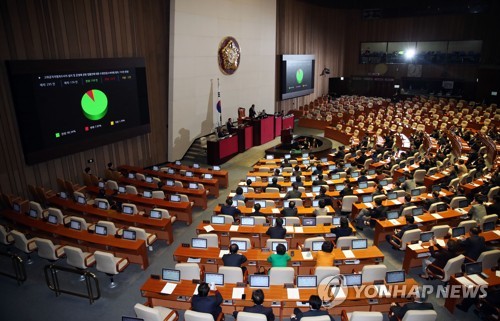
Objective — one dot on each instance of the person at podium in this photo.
(251, 112)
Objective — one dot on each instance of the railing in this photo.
(52, 272)
(17, 265)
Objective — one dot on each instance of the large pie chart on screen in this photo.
(94, 104)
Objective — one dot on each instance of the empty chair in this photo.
(141, 234)
(191, 315)
(156, 313)
(347, 202)
(323, 272)
(189, 271)
(317, 318)
(456, 201)
(291, 220)
(281, 275)
(76, 195)
(83, 224)
(38, 208)
(250, 316)
(228, 219)
(454, 183)
(420, 315)
(241, 239)
(362, 316)
(272, 190)
(419, 176)
(212, 239)
(127, 206)
(112, 185)
(5, 237)
(492, 193)
(407, 210)
(178, 184)
(102, 200)
(452, 267)
(270, 203)
(158, 194)
(374, 272)
(184, 198)
(164, 212)
(408, 237)
(57, 213)
(487, 219)
(78, 259)
(323, 219)
(440, 231)
(109, 264)
(129, 189)
(232, 274)
(23, 244)
(259, 220)
(489, 259)
(345, 241)
(434, 206)
(49, 251)
(468, 224)
(140, 176)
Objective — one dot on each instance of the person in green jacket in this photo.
(281, 258)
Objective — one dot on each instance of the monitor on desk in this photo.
(196, 166)
(16, 207)
(353, 279)
(122, 189)
(489, 226)
(309, 221)
(217, 219)
(198, 243)
(81, 200)
(305, 162)
(336, 176)
(102, 205)
(258, 281)
(193, 186)
(392, 196)
(244, 188)
(289, 188)
(252, 178)
(288, 156)
(306, 281)
(247, 221)
(315, 203)
(463, 203)
(156, 168)
(336, 220)
(332, 167)
(339, 187)
(315, 189)
(129, 235)
(175, 198)
(275, 244)
(367, 198)
(416, 192)
(149, 179)
(127, 210)
(442, 207)
(62, 195)
(216, 168)
(147, 194)
(473, 268)
(171, 171)
(363, 185)
(189, 174)
(314, 177)
(383, 182)
(293, 179)
(347, 165)
(101, 184)
(371, 172)
(131, 175)
(171, 275)
(458, 231)
(33, 213)
(417, 211)
(355, 174)
(262, 203)
(305, 155)
(401, 179)
(75, 225)
(392, 215)
(426, 236)
(324, 159)
(269, 156)
(359, 244)
(234, 203)
(242, 245)
(101, 230)
(177, 162)
(395, 276)
(52, 219)
(216, 278)
(317, 245)
(208, 176)
(155, 214)
(468, 179)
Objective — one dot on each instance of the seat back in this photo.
(129, 189)
(433, 207)
(308, 241)
(241, 239)
(407, 210)
(453, 266)
(110, 227)
(141, 233)
(419, 175)
(374, 272)
(317, 318)
(347, 202)
(259, 220)
(489, 258)
(298, 201)
(248, 316)
(105, 262)
(158, 194)
(409, 236)
(492, 193)
(440, 231)
(37, 207)
(323, 272)
(133, 206)
(272, 190)
(21, 242)
(147, 313)
(212, 239)
(366, 316)
(75, 257)
(83, 224)
(191, 315)
(456, 200)
(468, 225)
(232, 274)
(269, 242)
(5, 237)
(291, 220)
(112, 185)
(57, 213)
(322, 219)
(487, 219)
(46, 249)
(189, 271)
(164, 212)
(228, 219)
(281, 275)
(345, 241)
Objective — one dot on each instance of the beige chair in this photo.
(259, 220)
(281, 275)
(420, 315)
(83, 224)
(272, 190)
(345, 241)
(5, 237)
(141, 234)
(109, 264)
(130, 189)
(492, 193)
(111, 229)
(488, 218)
(489, 259)
(456, 200)
(317, 318)
(374, 272)
(23, 244)
(97, 202)
(298, 201)
(79, 259)
(158, 195)
(291, 220)
(189, 271)
(58, 214)
(112, 185)
(232, 274)
(323, 219)
(228, 219)
(347, 202)
(361, 316)
(156, 313)
(249, 316)
(323, 272)
(49, 251)
(468, 224)
(212, 239)
(440, 231)
(452, 267)
(308, 241)
(140, 176)
(164, 212)
(407, 210)
(408, 237)
(38, 208)
(419, 176)
(434, 206)
(191, 315)
(241, 239)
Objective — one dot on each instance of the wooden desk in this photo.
(276, 297)
(135, 251)
(383, 228)
(473, 187)
(222, 176)
(161, 227)
(211, 259)
(274, 211)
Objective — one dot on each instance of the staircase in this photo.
(196, 153)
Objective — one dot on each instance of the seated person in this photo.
(229, 209)
(430, 201)
(347, 190)
(379, 190)
(397, 312)
(363, 177)
(343, 229)
(296, 171)
(239, 194)
(294, 193)
(274, 184)
(410, 225)
(367, 214)
(440, 257)
(409, 183)
(478, 210)
(321, 209)
(258, 299)
(277, 231)
(257, 212)
(298, 181)
(325, 257)
(233, 258)
(320, 181)
(380, 176)
(318, 170)
(280, 258)
(474, 245)
(314, 310)
(322, 195)
(201, 302)
(291, 210)
(407, 203)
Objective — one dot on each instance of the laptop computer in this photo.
(317, 245)
(196, 166)
(131, 175)
(473, 268)
(371, 172)
(416, 192)
(147, 194)
(417, 211)
(122, 189)
(189, 174)
(171, 171)
(315, 203)
(367, 198)
(392, 196)
(216, 168)
(247, 221)
(339, 187)
(149, 179)
(62, 195)
(258, 281)
(355, 174)
(353, 279)
(199, 243)
(81, 200)
(315, 189)
(309, 221)
(101, 230)
(252, 178)
(383, 182)
(336, 176)
(129, 235)
(489, 226)
(306, 281)
(156, 168)
(457, 231)
(208, 176)
(392, 215)
(275, 244)
(217, 219)
(262, 203)
(169, 182)
(102, 205)
(436, 188)
(155, 214)
(171, 275)
(336, 220)
(101, 184)
(426, 236)
(175, 198)
(216, 278)
(269, 156)
(127, 210)
(75, 225)
(463, 203)
(52, 219)
(242, 245)
(33, 213)
(363, 185)
(359, 244)
(395, 277)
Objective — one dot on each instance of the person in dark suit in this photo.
(363, 177)
(343, 229)
(410, 225)
(294, 193)
(434, 199)
(347, 190)
(318, 170)
(407, 203)
(258, 299)
(440, 257)
(397, 312)
(291, 210)
(297, 171)
(495, 207)
(274, 183)
(233, 258)
(322, 196)
(474, 245)
(298, 181)
(251, 112)
(229, 209)
(257, 212)
(315, 306)
(277, 231)
(367, 215)
(320, 181)
(201, 302)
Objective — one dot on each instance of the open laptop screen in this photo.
(129, 235)
(258, 281)
(306, 281)
(275, 244)
(395, 276)
(458, 231)
(242, 245)
(101, 230)
(199, 243)
(128, 210)
(317, 245)
(367, 198)
(392, 196)
(155, 214)
(75, 225)
(216, 278)
(52, 219)
(426, 236)
(416, 192)
(309, 221)
(474, 268)
(147, 194)
(392, 215)
(171, 275)
(353, 279)
(417, 211)
(363, 185)
(359, 244)
(247, 221)
(217, 219)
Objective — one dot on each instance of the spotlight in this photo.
(409, 54)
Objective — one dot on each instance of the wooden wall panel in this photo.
(74, 29)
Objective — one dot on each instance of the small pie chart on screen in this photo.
(94, 104)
